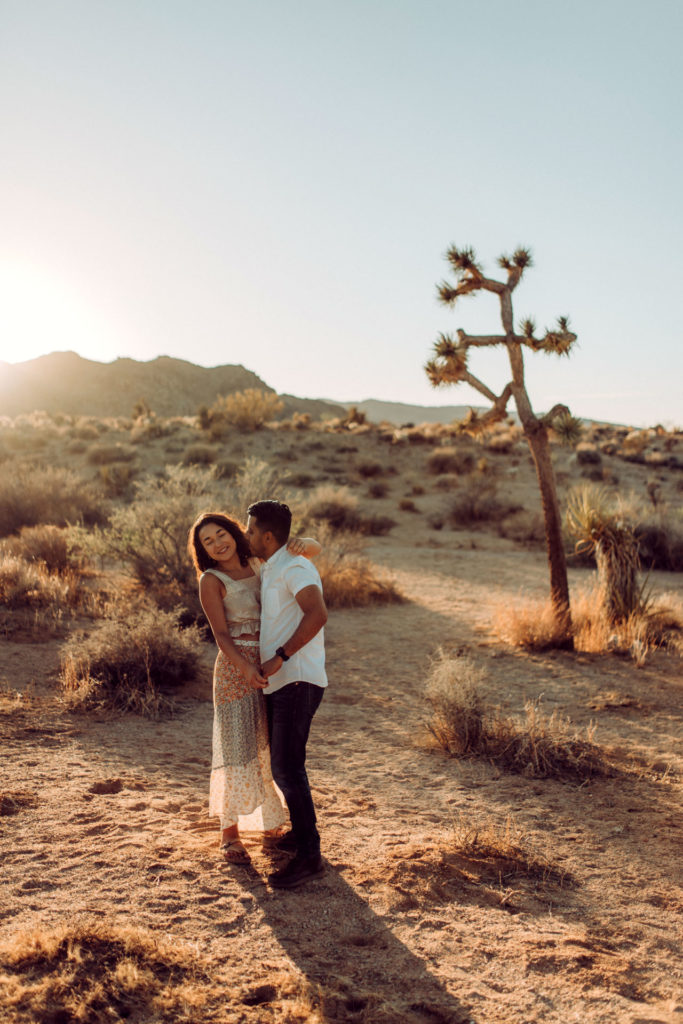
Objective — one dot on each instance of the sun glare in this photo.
(40, 313)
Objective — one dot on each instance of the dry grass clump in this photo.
(90, 972)
(503, 847)
(14, 801)
(33, 600)
(539, 745)
(48, 544)
(450, 460)
(532, 625)
(103, 454)
(349, 580)
(130, 661)
(244, 411)
(30, 495)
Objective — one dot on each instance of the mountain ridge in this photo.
(65, 382)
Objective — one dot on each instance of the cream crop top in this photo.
(242, 601)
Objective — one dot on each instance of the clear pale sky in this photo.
(275, 184)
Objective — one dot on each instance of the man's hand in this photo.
(273, 665)
(256, 679)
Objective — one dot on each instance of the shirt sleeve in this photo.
(301, 573)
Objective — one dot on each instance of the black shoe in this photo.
(286, 843)
(299, 870)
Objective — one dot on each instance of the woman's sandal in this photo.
(234, 852)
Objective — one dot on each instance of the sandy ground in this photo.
(119, 828)
(111, 816)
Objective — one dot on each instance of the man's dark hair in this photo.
(274, 516)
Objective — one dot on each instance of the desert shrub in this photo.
(376, 526)
(587, 454)
(349, 580)
(148, 536)
(477, 502)
(33, 495)
(299, 479)
(225, 469)
(84, 432)
(90, 971)
(538, 745)
(130, 662)
(450, 460)
(246, 411)
(46, 543)
(149, 428)
(447, 482)
(524, 528)
(297, 421)
(103, 454)
(452, 692)
(76, 447)
(378, 489)
(200, 455)
(370, 469)
(407, 505)
(255, 479)
(330, 504)
(116, 478)
(660, 542)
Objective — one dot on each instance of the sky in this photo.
(275, 184)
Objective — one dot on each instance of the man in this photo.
(293, 615)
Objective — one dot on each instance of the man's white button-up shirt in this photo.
(282, 577)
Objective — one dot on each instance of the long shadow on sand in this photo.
(355, 966)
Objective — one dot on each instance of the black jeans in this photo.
(290, 713)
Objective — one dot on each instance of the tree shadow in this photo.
(382, 979)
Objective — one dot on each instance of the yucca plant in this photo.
(601, 532)
(449, 365)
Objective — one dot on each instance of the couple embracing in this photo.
(263, 599)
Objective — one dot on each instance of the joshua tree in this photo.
(450, 366)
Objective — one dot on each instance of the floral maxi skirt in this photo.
(242, 790)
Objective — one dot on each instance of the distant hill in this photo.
(399, 413)
(65, 382)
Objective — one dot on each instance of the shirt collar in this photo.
(275, 558)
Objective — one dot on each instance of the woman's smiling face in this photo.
(218, 542)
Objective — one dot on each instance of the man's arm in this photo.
(310, 600)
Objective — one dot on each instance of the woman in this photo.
(242, 790)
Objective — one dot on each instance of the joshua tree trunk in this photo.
(537, 436)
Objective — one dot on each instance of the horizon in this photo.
(276, 189)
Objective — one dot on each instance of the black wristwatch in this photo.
(281, 654)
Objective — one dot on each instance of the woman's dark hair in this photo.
(200, 559)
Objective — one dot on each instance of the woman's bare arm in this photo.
(306, 546)
(211, 597)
